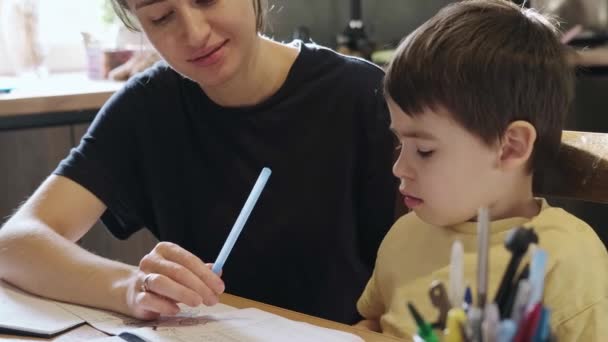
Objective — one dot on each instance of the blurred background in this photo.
(386, 22)
(40, 39)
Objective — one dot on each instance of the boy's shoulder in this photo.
(576, 277)
(558, 228)
(407, 222)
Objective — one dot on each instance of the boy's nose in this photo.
(401, 168)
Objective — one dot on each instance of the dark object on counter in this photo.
(302, 33)
(592, 15)
(524, 3)
(589, 41)
(354, 41)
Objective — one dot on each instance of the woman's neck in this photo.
(259, 79)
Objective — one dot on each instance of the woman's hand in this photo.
(169, 275)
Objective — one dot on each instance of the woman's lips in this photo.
(210, 58)
(412, 202)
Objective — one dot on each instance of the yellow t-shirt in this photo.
(414, 253)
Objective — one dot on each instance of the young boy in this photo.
(477, 97)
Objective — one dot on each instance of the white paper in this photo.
(115, 323)
(25, 312)
(245, 325)
(219, 323)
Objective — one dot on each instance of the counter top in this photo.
(55, 93)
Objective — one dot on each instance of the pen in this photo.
(439, 299)
(543, 331)
(483, 240)
(456, 281)
(523, 275)
(506, 331)
(475, 316)
(517, 241)
(527, 327)
(489, 326)
(468, 299)
(425, 331)
(241, 219)
(521, 301)
(537, 276)
(456, 319)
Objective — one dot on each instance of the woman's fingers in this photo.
(175, 253)
(180, 276)
(174, 290)
(155, 305)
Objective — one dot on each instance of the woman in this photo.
(177, 150)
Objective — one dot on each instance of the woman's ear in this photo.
(517, 145)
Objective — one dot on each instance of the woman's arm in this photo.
(38, 253)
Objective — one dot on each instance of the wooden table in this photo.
(54, 100)
(86, 332)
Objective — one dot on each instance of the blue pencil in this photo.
(241, 219)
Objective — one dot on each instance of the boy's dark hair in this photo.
(121, 8)
(489, 62)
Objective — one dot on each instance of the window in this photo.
(61, 23)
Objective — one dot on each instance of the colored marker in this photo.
(456, 318)
(425, 331)
(468, 299)
(456, 282)
(241, 219)
(483, 241)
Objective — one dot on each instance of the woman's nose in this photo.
(196, 27)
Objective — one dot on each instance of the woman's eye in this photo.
(206, 2)
(425, 154)
(162, 19)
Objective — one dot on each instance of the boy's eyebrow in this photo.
(413, 134)
(144, 3)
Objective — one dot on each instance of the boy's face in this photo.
(445, 172)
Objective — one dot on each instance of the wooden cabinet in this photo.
(28, 156)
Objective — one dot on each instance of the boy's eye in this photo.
(425, 154)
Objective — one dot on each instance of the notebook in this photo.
(219, 323)
(238, 325)
(24, 314)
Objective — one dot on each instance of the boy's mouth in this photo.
(411, 201)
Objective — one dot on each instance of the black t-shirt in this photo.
(161, 155)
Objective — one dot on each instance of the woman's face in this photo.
(208, 41)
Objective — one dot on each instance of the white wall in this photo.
(61, 22)
(386, 20)
(5, 67)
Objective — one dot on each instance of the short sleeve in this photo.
(586, 325)
(370, 304)
(106, 161)
(377, 186)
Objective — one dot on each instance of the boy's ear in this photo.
(517, 145)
